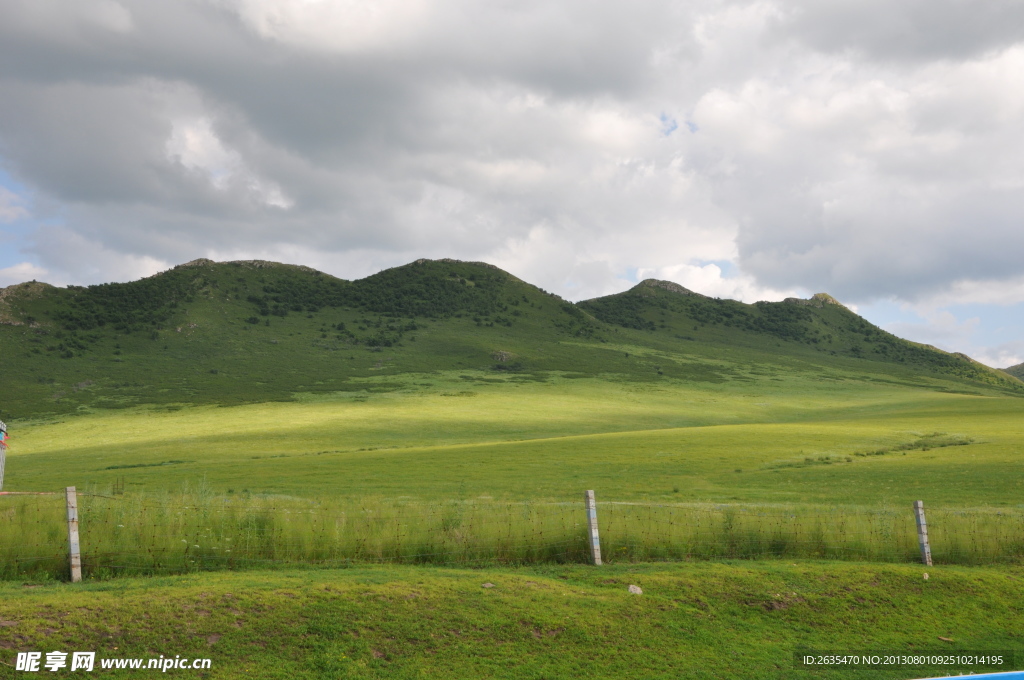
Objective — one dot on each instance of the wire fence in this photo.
(140, 534)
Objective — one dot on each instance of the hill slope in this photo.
(1016, 371)
(253, 331)
(821, 323)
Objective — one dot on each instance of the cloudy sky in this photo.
(871, 149)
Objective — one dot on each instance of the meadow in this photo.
(464, 469)
(801, 438)
(301, 477)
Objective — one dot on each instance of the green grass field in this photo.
(694, 620)
(802, 438)
(469, 469)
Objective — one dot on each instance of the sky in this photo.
(754, 150)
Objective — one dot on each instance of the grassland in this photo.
(694, 620)
(798, 438)
(447, 414)
(470, 469)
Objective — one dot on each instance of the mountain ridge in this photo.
(255, 330)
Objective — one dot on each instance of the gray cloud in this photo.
(915, 30)
(811, 145)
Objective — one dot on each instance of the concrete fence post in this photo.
(595, 539)
(74, 551)
(922, 533)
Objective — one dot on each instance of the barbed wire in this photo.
(138, 533)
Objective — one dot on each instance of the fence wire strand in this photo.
(159, 534)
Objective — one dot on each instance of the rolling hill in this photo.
(1016, 371)
(256, 331)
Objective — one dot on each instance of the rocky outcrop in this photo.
(665, 285)
(818, 300)
(24, 291)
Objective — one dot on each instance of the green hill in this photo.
(1016, 371)
(822, 323)
(256, 331)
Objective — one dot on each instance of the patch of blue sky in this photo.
(6, 180)
(668, 124)
(884, 313)
(1000, 323)
(15, 239)
(15, 232)
(990, 332)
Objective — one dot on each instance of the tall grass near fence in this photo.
(887, 534)
(33, 535)
(197, 531)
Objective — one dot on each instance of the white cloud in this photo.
(195, 146)
(12, 206)
(72, 257)
(1000, 356)
(580, 146)
(335, 25)
(708, 279)
(988, 292)
(21, 272)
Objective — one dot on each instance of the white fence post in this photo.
(922, 533)
(74, 551)
(3, 452)
(595, 539)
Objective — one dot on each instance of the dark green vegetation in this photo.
(820, 322)
(693, 620)
(243, 332)
(1016, 371)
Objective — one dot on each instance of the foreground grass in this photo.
(694, 620)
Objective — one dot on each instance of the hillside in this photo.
(255, 331)
(821, 323)
(1016, 371)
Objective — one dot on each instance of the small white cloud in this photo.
(334, 25)
(195, 146)
(1001, 356)
(73, 258)
(21, 272)
(707, 279)
(12, 206)
(998, 292)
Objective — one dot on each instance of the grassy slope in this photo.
(1016, 371)
(696, 620)
(447, 437)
